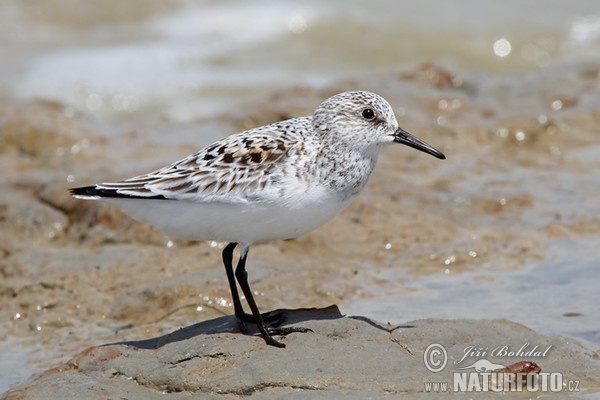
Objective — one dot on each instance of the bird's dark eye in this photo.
(368, 114)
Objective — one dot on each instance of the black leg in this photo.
(256, 317)
(237, 304)
(242, 278)
(238, 309)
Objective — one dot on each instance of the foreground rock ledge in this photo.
(345, 357)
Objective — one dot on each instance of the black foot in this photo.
(274, 328)
(282, 331)
(276, 317)
(272, 342)
(286, 330)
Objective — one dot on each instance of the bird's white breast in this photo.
(249, 222)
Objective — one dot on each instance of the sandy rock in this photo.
(343, 357)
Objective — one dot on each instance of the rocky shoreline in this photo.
(343, 357)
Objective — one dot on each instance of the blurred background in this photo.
(506, 227)
(187, 59)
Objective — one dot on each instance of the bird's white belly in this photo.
(233, 222)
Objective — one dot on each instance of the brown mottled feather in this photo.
(240, 164)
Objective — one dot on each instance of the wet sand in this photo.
(521, 177)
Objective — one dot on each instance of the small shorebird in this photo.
(277, 181)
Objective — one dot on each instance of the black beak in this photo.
(401, 136)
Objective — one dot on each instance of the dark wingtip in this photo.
(95, 192)
(85, 191)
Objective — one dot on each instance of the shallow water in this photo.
(184, 60)
(520, 198)
(557, 296)
(14, 362)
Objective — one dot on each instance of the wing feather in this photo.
(242, 165)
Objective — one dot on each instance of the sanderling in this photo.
(277, 181)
